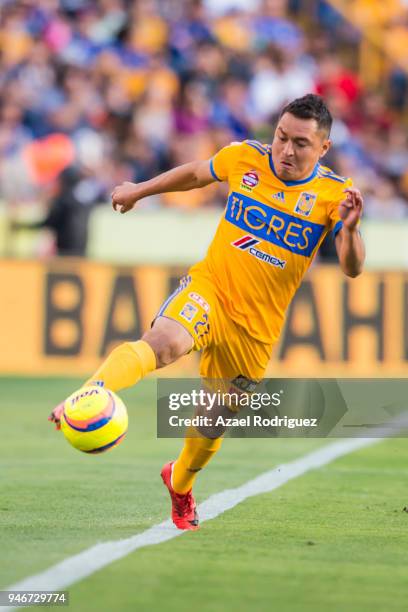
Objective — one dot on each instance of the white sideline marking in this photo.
(91, 560)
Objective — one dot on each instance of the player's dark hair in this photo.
(311, 106)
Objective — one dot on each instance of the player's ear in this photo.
(325, 147)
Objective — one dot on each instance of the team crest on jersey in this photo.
(188, 312)
(305, 203)
(250, 180)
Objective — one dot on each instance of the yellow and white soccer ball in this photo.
(94, 419)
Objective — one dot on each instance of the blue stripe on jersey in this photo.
(257, 146)
(337, 228)
(183, 284)
(213, 171)
(286, 231)
(333, 178)
(326, 170)
(331, 175)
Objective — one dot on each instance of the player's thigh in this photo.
(237, 355)
(231, 370)
(237, 364)
(191, 308)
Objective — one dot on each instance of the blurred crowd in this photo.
(125, 89)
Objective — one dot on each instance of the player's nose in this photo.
(288, 149)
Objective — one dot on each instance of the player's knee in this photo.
(166, 346)
(170, 350)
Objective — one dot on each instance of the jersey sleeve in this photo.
(335, 223)
(225, 160)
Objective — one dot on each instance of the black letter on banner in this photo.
(375, 320)
(313, 338)
(56, 313)
(123, 290)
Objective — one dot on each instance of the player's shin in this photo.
(196, 453)
(125, 366)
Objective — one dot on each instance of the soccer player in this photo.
(281, 204)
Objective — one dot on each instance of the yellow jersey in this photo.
(268, 236)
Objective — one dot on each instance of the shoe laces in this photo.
(184, 503)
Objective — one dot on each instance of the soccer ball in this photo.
(94, 419)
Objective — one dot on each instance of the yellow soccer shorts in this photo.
(228, 352)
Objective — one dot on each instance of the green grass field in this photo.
(335, 538)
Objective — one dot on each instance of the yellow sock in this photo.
(125, 365)
(195, 455)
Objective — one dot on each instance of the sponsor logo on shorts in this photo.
(245, 384)
(250, 180)
(199, 300)
(305, 203)
(241, 386)
(248, 243)
(188, 312)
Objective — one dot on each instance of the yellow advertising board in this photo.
(63, 316)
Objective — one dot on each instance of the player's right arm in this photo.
(183, 178)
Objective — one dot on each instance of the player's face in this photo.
(297, 146)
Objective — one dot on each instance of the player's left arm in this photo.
(349, 243)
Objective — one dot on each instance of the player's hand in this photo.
(55, 416)
(124, 197)
(351, 208)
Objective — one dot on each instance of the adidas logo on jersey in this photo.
(280, 196)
